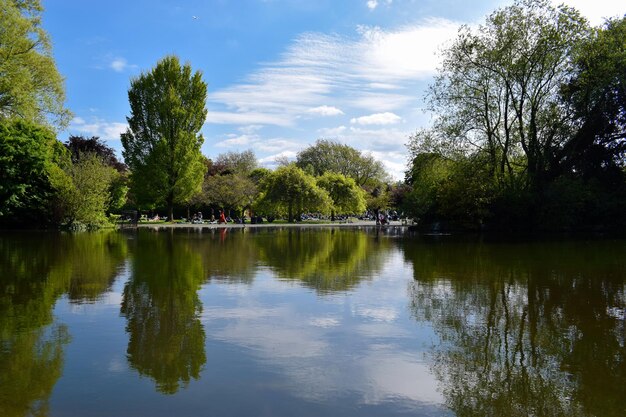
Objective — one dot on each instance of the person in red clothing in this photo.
(222, 217)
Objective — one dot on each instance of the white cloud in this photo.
(270, 161)
(325, 111)
(97, 127)
(373, 4)
(596, 11)
(377, 119)
(119, 64)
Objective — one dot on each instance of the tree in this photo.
(498, 88)
(80, 146)
(229, 191)
(162, 143)
(596, 96)
(347, 197)
(329, 156)
(237, 162)
(289, 190)
(85, 200)
(31, 87)
(30, 172)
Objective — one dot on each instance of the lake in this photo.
(309, 322)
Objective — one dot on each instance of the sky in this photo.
(280, 73)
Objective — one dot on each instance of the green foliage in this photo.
(230, 191)
(80, 146)
(329, 156)
(346, 196)
(498, 89)
(84, 201)
(162, 144)
(289, 190)
(596, 95)
(31, 87)
(455, 192)
(257, 175)
(29, 171)
(530, 128)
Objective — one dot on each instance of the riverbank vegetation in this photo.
(528, 134)
(530, 126)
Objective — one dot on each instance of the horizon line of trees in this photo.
(529, 135)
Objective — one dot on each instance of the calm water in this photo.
(309, 323)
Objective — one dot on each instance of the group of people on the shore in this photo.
(222, 219)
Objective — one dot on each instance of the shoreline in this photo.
(353, 224)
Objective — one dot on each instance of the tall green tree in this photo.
(596, 95)
(84, 202)
(289, 190)
(347, 197)
(330, 156)
(30, 85)
(162, 143)
(498, 88)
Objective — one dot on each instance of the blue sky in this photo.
(281, 73)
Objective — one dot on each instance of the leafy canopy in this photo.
(30, 84)
(346, 196)
(162, 143)
(330, 156)
(30, 170)
(289, 190)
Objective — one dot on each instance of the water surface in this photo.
(333, 322)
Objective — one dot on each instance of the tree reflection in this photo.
(326, 260)
(525, 329)
(92, 261)
(31, 345)
(162, 310)
(228, 255)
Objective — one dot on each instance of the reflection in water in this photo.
(327, 260)
(505, 329)
(162, 310)
(95, 260)
(526, 329)
(34, 273)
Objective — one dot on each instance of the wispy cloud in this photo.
(372, 70)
